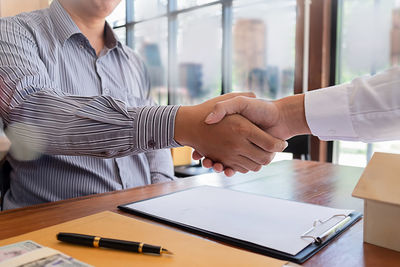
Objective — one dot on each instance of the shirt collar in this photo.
(112, 40)
(64, 25)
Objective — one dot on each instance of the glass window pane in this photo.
(117, 17)
(352, 153)
(391, 147)
(190, 3)
(150, 41)
(264, 47)
(199, 55)
(369, 42)
(366, 45)
(145, 9)
(121, 34)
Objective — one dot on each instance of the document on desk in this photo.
(277, 224)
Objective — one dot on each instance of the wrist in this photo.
(183, 125)
(293, 114)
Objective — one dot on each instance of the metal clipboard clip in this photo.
(321, 238)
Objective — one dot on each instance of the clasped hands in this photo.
(236, 131)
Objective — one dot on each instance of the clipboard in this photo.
(316, 242)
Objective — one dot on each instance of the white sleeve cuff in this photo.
(328, 114)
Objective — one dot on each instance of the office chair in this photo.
(190, 170)
(299, 146)
(5, 170)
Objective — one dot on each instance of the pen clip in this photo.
(320, 238)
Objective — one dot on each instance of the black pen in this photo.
(96, 241)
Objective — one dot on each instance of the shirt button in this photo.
(106, 91)
(151, 143)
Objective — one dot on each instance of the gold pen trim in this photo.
(140, 249)
(166, 251)
(96, 241)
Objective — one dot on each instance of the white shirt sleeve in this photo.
(367, 109)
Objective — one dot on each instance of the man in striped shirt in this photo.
(76, 105)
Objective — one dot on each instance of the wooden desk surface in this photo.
(305, 181)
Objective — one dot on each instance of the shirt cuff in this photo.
(155, 127)
(328, 113)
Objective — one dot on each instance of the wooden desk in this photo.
(312, 182)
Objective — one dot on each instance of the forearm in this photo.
(98, 126)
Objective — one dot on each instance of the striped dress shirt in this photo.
(80, 123)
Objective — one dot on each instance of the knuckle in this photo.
(249, 94)
(256, 168)
(266, 159)
(207, 163)
(236, 149)
(278, 147)
(242, 129)
(243, 171)
(269, 159)
(240, 100)
(218, 106)
(261, 157)
(269, 146)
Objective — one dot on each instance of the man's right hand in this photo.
(283, 119)
(235, 142)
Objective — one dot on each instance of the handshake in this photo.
(238, 132)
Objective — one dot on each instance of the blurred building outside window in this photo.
(264, 47)
(199, 41)
(151, 43)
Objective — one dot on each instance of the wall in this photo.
(13, 7)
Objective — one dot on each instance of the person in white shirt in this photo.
(366, 109)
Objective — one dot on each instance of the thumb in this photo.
(227, 107)
(214, 117)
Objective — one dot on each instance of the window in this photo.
(199, 41)
(264, 47)
(151, 42)
(198, 49)
(368, 42)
